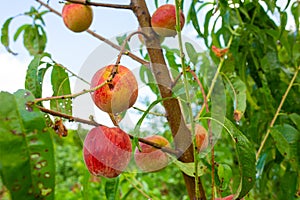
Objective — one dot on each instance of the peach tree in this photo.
(222, 122)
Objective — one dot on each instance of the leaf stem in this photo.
(277, 112)
(67, 96)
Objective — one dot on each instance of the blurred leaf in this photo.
(189, 168)
(121, 39)
(224, 174)
(246, 158)
(295, 9)
(237, 89)
(20, 30)
(34, 39)
(27, 157)
(192, 16)
(112, 188)
(296, 119)
(281, 143)
(292, 136)
(60, 86)
(5, 35)
(148, 78)
(34, 78)
(192, 53)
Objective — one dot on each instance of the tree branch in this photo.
(85, 2)
(94, 123)
(113, 45)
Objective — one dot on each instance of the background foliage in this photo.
(262, 63)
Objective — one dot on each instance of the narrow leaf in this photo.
(296, 119)
(224, 174)
(20, 30)
(27, 155)
(33, 81)
(5, 35)
(281, 143)
(189, 168)
(246, 157)
(60, 86)
(192, 53)
(112, 188)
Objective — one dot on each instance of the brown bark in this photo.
(181, 134)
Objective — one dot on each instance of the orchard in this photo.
(200, 100)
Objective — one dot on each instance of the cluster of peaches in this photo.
(108, 150)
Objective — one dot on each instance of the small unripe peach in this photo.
(77, 17)
(201, 137)
(163, 20)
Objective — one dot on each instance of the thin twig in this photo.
(85, 2)
(201, 88)
(151, 113)
(68, 96)
(277, 113)
(131, 55)
(72, 73)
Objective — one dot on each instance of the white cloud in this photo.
(12, 72)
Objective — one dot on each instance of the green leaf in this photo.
(281, 143)
(192, 53)
(27, 156)
(193, 17)
(34, 39)
(246, 157)
(121, 39)
(237, 89)
(224, 174)
(5, 35)
(20, 30)
(295, 9)
(296, 119)
(189, 168)
(112, 188)
(292, 136)
(60, 86)
(33, 81)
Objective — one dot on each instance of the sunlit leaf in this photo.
(34, 80)
(192, 53)
(224, 174)
(189, 168)
(281, 143)
(61, 86)
(5, 35)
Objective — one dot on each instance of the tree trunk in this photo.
(181, 134)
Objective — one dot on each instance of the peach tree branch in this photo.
(85, 2)
(92, 122)
(113, 45)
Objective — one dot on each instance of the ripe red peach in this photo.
(117, 95)
(163, 20)
(106, 151)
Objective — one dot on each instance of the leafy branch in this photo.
(277, 112)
